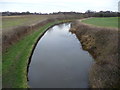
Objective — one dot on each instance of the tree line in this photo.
(88, 13)
(102, 14)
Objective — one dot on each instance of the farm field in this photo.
(111, 22)
(20, 20)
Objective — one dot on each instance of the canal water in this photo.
(59, 61)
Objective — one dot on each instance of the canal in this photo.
(58, 61)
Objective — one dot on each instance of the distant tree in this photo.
(90, 13)
(27, 12)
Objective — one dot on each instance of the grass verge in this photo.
(15, 60)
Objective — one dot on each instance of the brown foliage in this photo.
(102, 44)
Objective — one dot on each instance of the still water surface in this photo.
(58, 61)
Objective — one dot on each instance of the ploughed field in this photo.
(103, 21)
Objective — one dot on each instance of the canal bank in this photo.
(102, 44)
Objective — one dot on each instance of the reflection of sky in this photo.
(58, 5)
(58, 61)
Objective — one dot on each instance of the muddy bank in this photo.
(102, 44)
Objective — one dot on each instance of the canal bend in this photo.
(59, 61)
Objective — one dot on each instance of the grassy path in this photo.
(15, 60)
(111, 22)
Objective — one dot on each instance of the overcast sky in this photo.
(48, 6)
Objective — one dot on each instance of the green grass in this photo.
(15, 60)
(103, 21)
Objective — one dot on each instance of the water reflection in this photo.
(58, 61)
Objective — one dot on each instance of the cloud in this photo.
(58, 5)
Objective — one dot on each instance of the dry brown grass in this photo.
(102, 44)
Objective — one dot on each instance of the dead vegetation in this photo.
(102, 44)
